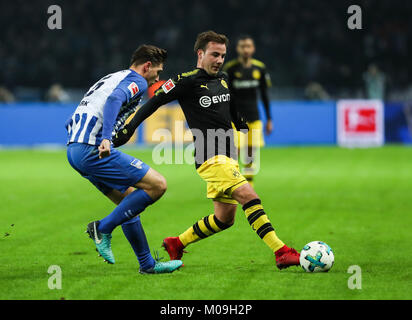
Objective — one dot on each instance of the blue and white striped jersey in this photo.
(86, 123)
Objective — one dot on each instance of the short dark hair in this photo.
(150, 53)
(244, 37)
(205, 37)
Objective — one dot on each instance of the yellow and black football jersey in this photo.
(244, 84)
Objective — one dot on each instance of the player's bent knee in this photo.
(225, 213)
(224, 223)
(157, 188)
(229, 223)
(154, 184)
(161, 186)
(244, 194)
(229, 220)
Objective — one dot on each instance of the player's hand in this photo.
(240, 124)
(122, 136)
(104, 149)
(269, 127)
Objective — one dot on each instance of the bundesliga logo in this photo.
(168, 85)
(133, 88)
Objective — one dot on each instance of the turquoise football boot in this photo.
(102, 241)
(162, 267)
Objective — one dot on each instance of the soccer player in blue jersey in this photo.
(131, 184)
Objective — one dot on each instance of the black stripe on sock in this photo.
(263, 230)
(207, 224)
(255, 215)
(220, 224)
(251, 204)
(198, 231)
(266, 231)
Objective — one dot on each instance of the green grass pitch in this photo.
(356, 200)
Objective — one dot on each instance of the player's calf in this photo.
(260, 223)
(258, 220)
(202, 229)
(133, 204)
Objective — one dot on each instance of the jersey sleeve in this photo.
(172, 89)
(132, 87)
(111, 110)
(129, 88)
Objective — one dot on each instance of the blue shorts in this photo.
(118, 171)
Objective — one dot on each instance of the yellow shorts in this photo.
(253, 138)
(222, 176)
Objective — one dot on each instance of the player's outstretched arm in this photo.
(265, 83)
(110, 112)
(171, 90)
(142, 114)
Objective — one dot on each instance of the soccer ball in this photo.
(316, 256)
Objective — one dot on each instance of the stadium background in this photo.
(309, 51)
(355, 200)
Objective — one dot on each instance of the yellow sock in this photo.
(204, 228)
(260, 223)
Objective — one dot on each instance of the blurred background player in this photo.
(204, 97)
(130, 183)
(374, 80)
(56, 93)
(246, 77)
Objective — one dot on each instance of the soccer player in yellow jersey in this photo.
(204, 97)
(248, 76)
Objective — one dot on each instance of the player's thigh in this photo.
(244, 194)
(118, 171)
(225, 212)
